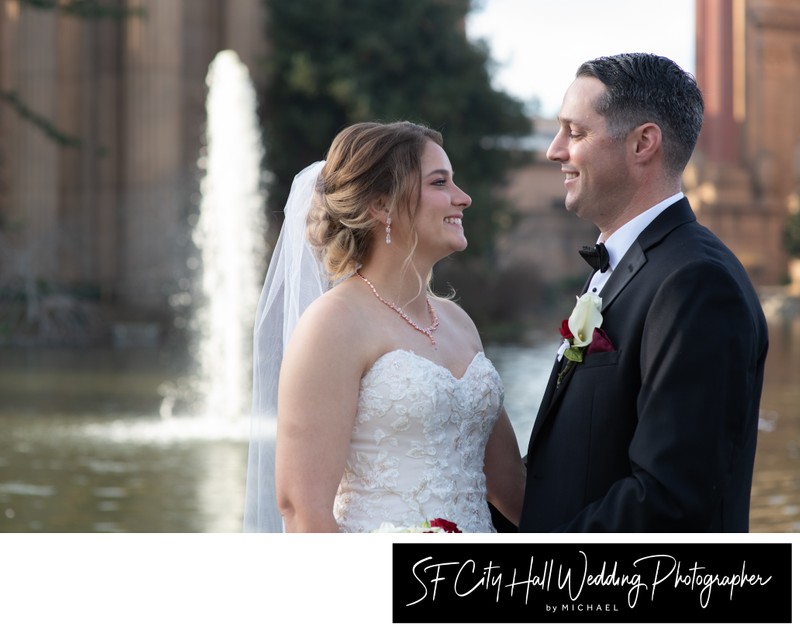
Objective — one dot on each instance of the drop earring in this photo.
(388, 230)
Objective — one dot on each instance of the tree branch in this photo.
(62, 138)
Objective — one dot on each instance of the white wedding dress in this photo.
(418, 443)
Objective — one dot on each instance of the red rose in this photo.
(600, 343)
(564, 330)
(447, 526)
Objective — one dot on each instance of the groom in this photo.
(654, 429)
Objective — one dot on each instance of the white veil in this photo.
(295, 278)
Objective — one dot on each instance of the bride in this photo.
(388, 412)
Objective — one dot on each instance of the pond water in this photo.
(83, 447)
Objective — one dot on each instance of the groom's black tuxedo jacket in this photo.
(659, 434)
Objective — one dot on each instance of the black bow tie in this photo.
(596, 256)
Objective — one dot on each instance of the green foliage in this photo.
(574, 354)
(336, 62)
(791, 235)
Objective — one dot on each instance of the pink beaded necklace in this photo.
(428, 331)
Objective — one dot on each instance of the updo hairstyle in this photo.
(365, 161)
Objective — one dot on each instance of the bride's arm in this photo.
(503, 465)
(505, 471)
(317, 401)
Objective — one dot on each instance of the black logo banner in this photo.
(593, 582)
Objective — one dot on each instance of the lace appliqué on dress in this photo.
(418, 445)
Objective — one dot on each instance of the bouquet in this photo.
(434, 525)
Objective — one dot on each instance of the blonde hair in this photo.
(365, 162)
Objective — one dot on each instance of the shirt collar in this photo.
(619, 242)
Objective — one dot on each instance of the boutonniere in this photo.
(582, 333)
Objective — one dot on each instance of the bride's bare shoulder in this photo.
(453, 310)
(457, 318)
(338, 313)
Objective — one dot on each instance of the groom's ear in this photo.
(646, 142)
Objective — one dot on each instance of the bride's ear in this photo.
(379, 208)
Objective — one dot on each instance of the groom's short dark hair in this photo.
(641, 88)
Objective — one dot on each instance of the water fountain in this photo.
(204, 418)
(213, 400)
(230, 234)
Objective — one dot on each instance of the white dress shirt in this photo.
(619, 242)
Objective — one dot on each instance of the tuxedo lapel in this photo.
(635, 258)
(552, 394)
(627, 268)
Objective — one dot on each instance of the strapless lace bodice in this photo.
(418, 444)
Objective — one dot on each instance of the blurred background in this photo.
(147, 148)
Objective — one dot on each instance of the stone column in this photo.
(153, 197)
(76, 76)
(718, 50)
(747, 66)
(245, 33)
(104, 106)
(30, 158)
(773, 97)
